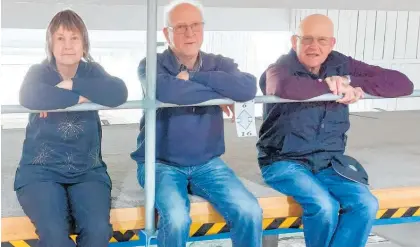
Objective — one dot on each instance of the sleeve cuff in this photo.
(357, 81)
(76, 85)
(201, 77)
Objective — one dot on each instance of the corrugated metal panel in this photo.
(412, 35)
(380, 29)
(361, 34)
(390, 34)
(401, 36)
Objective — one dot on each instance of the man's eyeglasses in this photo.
(183, 28)
(307, 40)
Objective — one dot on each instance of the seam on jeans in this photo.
(163, 232)
(223, 211)
(165, 215)
(156, 205)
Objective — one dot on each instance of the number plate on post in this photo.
(245, 119)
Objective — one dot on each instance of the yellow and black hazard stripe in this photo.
(117, 236)
(205, 229)
(125, 236)
(398, 213)
(20, 243)
(199, 230)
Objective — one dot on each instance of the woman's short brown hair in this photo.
(70, 21)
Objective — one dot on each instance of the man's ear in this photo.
(294, 40)
(166, 33)
(333, 41)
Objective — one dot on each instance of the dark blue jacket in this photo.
(314, 133)
(65, 147)
(187, 136)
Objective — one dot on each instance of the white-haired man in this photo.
(190, 140)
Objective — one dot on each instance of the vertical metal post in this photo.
(151, 115)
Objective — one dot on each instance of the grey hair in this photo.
(173, 4)
(70, 20)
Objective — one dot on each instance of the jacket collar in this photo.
(333, 61)
(197, 66)
(171, 63)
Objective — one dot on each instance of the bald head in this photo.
(180, 9)
(316, 25)
(183, 10)
(184, 28)
(314, 41)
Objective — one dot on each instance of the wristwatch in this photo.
(348, 78)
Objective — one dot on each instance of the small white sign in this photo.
(245, 119)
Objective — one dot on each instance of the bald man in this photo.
(301, 145)
(190, 140)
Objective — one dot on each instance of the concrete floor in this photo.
(387, 143)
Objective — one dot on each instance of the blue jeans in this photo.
(321, 196)
(216, 183)
(50, 206)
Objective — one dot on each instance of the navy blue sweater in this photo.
(65, 147)
(187, 136)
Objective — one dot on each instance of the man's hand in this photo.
(183, 75)
(227, 109)
(82, 100)
(351, 94)
(335, 83)
(43, 114)
(66, 84)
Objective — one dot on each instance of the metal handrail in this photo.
(147, 104)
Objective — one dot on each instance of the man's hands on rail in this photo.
(229, 110)
(340, 85)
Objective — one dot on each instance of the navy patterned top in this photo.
(65, 147)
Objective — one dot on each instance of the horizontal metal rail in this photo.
(144, 104)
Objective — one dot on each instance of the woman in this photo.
(61, 177)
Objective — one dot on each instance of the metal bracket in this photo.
(147, 236)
